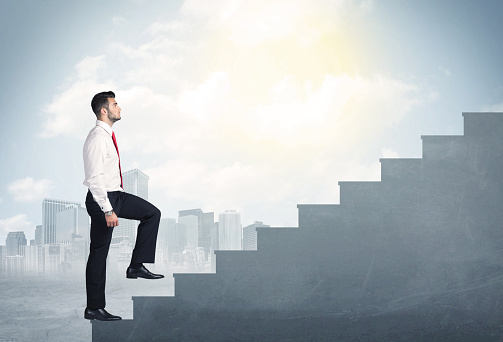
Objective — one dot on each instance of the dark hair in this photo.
(100, 100)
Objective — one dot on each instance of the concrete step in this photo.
(444, 147)
(360, 193)
(142, 302)
(106, 331)
(194, 286)
(274, 238)
(316, 216)
(234, 261)
(483, 124)
(238, 283)
(400, 169)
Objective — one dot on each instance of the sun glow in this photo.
(284, 73)
(261, 45)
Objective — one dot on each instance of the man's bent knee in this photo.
(157, 213)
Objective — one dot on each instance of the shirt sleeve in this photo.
(94, 161)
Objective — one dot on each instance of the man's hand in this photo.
(112, 220)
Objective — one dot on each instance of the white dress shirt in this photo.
(101, 164)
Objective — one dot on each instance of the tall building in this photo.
(71, 222)
(135, 182)
(230, 231)
(250, 236)
(180, 237)
(191, 223)
(14, 242)
(214, 237)
(177, 242)
(50, 208)
(39, 235)
(167, 235)
(205, 223)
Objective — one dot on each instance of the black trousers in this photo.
(126, 206)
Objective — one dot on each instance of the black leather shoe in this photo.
(100, 315)
(141, 272)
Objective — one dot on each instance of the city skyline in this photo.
(133, 181)
(62, 240)
(191, 220)
(183, 245)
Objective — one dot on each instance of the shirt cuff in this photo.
(106, 206)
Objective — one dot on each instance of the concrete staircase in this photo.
(423, 247)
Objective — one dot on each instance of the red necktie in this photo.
(115, 143)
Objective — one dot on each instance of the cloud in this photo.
(248, 23)
(388, 153)
(88, 68)
(69, 113)
(13, 224)
(498, 107)
(207, 100)
(343, 110)
(167, 26)
(292, 148)
(119, 21)
(29, 190)
(157, 63)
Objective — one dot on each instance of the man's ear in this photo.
(103, 111)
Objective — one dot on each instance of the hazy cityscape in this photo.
(61, 243)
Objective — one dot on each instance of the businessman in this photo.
(105, 202)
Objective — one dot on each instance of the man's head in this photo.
(105, 107)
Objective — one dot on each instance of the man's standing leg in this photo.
(101, 236)
(135, 208)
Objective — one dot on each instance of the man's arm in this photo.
(94, 153)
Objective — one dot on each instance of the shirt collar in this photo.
(105, 126)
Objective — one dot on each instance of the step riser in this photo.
(360, 193)
(443, 147)
(401, 170)
(483, 124)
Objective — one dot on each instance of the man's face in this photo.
(114, 111)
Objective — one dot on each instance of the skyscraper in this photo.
(14, 242)
(230, 231)
(135, 182)
(214, 237)
(167, 235)
(71, 222)
(204, 225)
(50, 207)
(207, 222)
(191, 223)
(166, 232)
(250, 235)
(39, 235)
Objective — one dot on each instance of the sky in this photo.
(255, 106)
